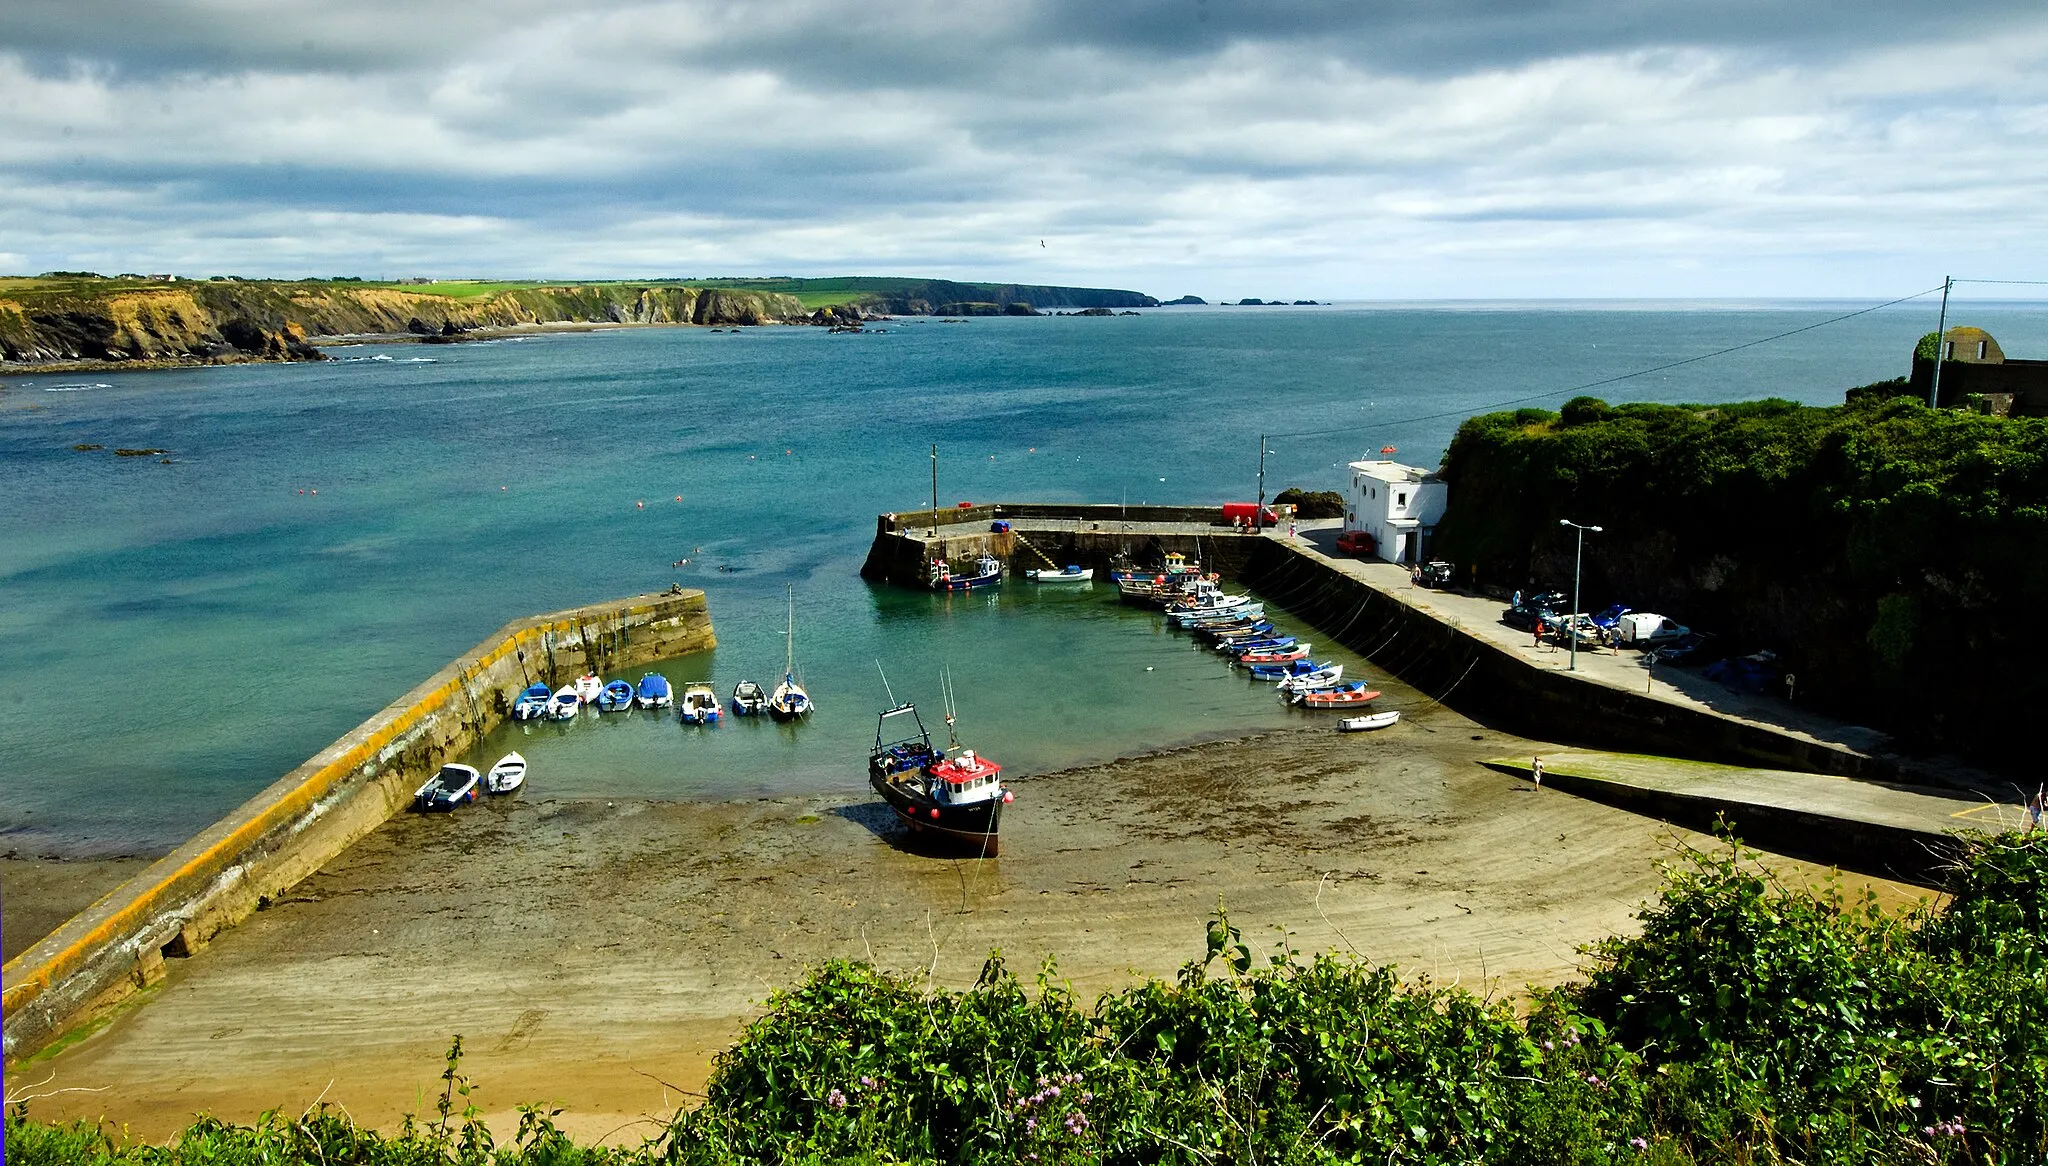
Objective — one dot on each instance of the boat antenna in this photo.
(952, 713)
(885, 684)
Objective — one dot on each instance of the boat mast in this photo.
(789, 639)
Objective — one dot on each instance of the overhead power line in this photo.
(1488, 408)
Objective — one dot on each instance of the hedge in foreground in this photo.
(1747, 1023)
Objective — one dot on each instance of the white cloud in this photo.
(1380, 156)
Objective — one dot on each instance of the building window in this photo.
(1980, 349)
(1400, 499)
(1948, 350)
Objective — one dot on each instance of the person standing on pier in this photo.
(2034, 808)
(1536, 770)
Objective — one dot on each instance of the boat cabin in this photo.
(965, 777)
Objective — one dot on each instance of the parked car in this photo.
(1523, 617)
(1685, 650)
(1610, 615)
(1590, 633)
(1356, 542)
(1647, 629)
(1435, 573)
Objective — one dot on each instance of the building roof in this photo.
(1386, 471)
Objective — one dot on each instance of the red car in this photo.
(1356, 542)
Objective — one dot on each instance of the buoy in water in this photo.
(640, 505)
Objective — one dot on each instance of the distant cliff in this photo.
(899, 296)
(46, 321)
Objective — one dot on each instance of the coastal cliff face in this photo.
(225, 322)
(1893, 556)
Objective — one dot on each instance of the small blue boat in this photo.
(1285, 671)
(654, 692)
(615, 696)
(532, 704)
(1254, 647)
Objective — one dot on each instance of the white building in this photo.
(1397, 506)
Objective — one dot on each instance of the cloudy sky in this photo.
(1353, 149)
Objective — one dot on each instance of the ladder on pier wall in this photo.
(1033, 548)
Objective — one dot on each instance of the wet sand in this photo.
(599, 954)
(38, 893)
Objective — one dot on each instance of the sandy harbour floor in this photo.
(599, 954)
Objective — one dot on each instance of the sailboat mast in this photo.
(789, 637)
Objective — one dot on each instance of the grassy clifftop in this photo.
(208, 321)
(1896, 557)
(75, 318)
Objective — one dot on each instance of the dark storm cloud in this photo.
(1143, 139)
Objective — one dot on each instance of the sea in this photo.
(181, 629)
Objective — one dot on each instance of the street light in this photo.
(1578, 560)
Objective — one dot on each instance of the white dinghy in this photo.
(506, 775)
(1367, 723)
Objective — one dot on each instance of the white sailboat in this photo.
(789, 701)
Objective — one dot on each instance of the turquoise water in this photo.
(328, 534)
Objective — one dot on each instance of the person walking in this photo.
(2035, 805)
(1536, 771)
(1538, 641)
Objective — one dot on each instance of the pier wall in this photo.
(1494, 686)
(1063, 533)
(280, 836)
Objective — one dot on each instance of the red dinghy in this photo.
(1297, 652)
(1317, 700)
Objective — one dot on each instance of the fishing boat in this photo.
(532, 704)
(1069, 574)
(748, 699)
(954, 796)
(589, 687)
(1319, 676)
(564, 705)
(789, 701)
(1346, 695)
(1367, 723)
(654, 692)
(447, 789)
(616, 695)
(1245, 648)
(1173, 565)
(507, 775)
(988, 571)
(1276, 656)
(699, 705)
(1217, 633)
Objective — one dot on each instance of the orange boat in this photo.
(1326, 700)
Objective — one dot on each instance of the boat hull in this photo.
(971, 828)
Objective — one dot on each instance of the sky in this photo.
(1362, 149)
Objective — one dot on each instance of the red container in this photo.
(1236, 512)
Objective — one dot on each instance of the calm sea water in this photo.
(177, 636)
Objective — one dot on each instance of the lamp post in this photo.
(1578, 561)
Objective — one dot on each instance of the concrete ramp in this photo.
(1891, 831)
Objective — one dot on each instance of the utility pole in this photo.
(1578, 561)
(935, 489)
(1940, 331)
(1259, 510)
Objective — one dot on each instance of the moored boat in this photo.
(589, 687)
(1347, 695)
(507, 775)
(654, 692)
(1367, 723)
(1277, 656)
(988, 571)
(699, 705)
(748, 699)
(532, 704)
(1069, 574)
(616, 695)
(790, 701)
(1325, 675)
(454, 785)
(564, 705)
(955, 796)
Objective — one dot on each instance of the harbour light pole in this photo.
(1940, 330)
(1259, 510)
(1578, 561)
